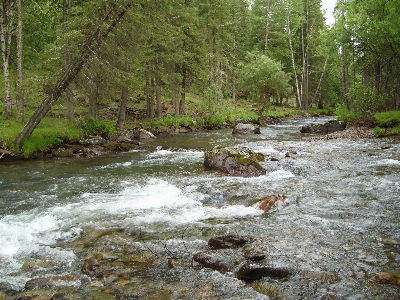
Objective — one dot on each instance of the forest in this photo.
(145, 59)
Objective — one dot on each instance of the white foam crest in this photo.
(386, 162)
(154, 194)
(196, 214)
(25, 233)
(160, 156)
(117, 165)
(279, 174)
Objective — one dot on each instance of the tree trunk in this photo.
(20, 68)
(69, 96)
(267, 27)
(6, 24)
(320, 81)
(92, 43)
(298, 95)
(158, 96)
(150, 97)
(93, 107)
(183, 95)
(122, 108)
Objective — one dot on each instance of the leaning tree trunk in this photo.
(93, 42)
(6, 26)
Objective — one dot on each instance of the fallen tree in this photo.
(93, 42)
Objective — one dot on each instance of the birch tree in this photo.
(6, 31)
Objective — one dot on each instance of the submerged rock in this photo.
(387, 278)
(246, 129)
(250, 272)
(272, 201)
(234, 161)
(319, 275)
(228, 242)
(212, 261)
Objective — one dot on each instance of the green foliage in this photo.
(379, 132)
(263, 77)
(388, 118)
(43, 143)
(395, 130)
(346, 115)
(215, 120)
(176, 121)
(92, 126)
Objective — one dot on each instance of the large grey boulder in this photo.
(246, 129)
(234, 161)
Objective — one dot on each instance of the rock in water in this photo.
(272, 201)
(234, 161)
(387, 278)
(250, 272)
(211, 261)
(228, 242)
(246, 129)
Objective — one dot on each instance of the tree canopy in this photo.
(165, 49)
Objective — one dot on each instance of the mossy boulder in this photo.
(234, 161)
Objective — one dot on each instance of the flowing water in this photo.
(148, 212)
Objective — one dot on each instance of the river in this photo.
(143, 214)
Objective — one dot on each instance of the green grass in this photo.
(49, 132)
(379, 132)
(346, 115)
(388, 118)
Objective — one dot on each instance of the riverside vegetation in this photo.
(196, 65)
(56, 130)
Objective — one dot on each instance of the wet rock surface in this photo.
(251, 272)
(234, 161)
(325, 128)
(387, 278)
(246, 129)
(271, 202)
(228, 242)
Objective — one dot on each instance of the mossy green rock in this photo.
(234, 161)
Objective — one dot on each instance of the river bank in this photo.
(134, 139)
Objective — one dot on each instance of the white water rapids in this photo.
(344, 203)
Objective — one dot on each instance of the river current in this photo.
(340, 227)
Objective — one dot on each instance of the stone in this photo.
(228, 242)
(38, 283)
(211, 261)
(246, 129)
(90, 265)
(251, 272)
(387, 278)
(329, 127)
(144, 135)
(96, 140)
(234, 161)
(319, 275)
(271, 202)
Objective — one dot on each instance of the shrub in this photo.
(346, 115)
(395, 130)
(92, 126)
(379, 132)
(388, 118)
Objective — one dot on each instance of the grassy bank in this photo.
(55, 129)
